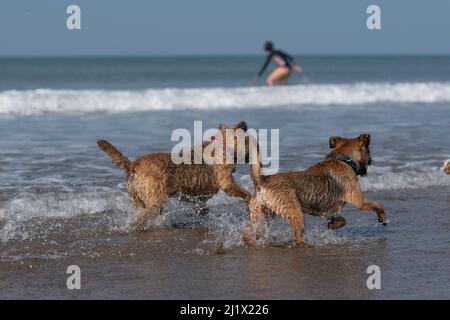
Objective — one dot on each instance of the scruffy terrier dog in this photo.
(153, 178)
(446, 166)
(321, 190)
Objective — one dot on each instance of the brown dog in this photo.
(152, 178)
(320, 190)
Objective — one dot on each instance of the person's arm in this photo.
(264, 66)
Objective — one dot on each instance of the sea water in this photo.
(62, 202)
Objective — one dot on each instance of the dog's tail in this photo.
(117, 157)
(255, 161)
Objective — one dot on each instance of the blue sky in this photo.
(176, 27)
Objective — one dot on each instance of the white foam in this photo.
(417, 177)
(27, 206)
(40, 101)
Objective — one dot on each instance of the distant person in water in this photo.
(285, 65)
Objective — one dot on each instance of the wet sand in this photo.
(178, 263)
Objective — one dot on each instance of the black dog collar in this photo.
(348, 160)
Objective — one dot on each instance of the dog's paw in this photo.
(336, 223)
(384, 222)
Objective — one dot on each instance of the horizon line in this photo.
(129, 55)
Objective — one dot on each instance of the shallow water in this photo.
(62, 202)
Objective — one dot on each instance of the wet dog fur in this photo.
(321, 190)
(153, 178)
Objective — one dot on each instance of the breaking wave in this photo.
(41, 101)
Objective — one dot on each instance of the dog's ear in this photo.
(364, 138)
(334, 141)
(242, 125)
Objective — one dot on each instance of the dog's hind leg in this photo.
(145, 215)
(296, 219)
(152, 191)
(289, 208)
(357, 199)
(133, 195)
(256, 209)
(154, 205)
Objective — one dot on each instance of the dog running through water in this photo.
(153, 178)
(321, 190)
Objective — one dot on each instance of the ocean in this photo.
(63, 203)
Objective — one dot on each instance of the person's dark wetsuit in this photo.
(281, 59)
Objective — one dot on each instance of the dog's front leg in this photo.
(377, 208)
(200, 207)
(233, 189)
(225, 181)
(362, 203)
